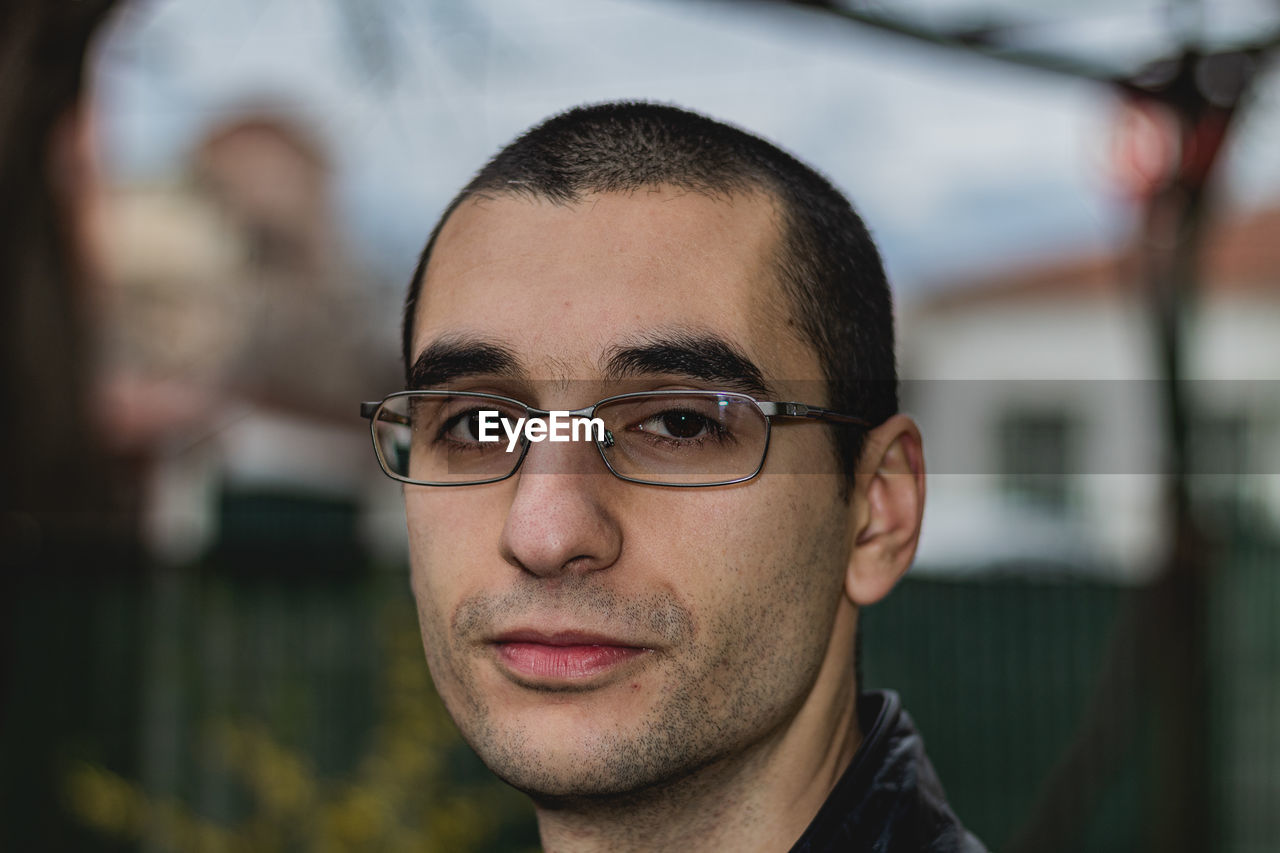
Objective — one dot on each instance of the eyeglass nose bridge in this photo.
(585, 413)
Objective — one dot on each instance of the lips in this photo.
(563, 656)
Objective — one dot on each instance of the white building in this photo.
(1037, 391)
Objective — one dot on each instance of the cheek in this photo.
(771, 564)
(449, 548)
(769, 585)
(770, 522)
(448, 534)
(787, 563)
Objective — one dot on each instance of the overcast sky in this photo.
(957, 163)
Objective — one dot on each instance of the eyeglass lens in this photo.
(675, 439)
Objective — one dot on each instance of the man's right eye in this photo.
(464, 427)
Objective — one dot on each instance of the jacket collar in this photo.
(889, 799)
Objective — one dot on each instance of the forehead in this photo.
(561, 283)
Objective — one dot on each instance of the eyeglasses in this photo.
(661, 438)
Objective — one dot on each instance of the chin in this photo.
(561, 771)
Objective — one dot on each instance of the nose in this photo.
(562, 519)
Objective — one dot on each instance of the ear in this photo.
(887, 507)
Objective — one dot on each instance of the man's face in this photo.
(592, 636)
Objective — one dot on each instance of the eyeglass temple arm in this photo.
(800, 410)
(367, 410)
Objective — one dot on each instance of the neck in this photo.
(758, 800)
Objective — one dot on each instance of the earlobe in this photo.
(887, 507)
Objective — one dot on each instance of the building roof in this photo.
(1242, 256)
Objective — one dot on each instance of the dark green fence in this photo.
(201, 709)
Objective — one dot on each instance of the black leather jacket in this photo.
(890, 799)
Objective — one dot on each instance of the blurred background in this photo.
(211, 213)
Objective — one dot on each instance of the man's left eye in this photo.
(677, 424)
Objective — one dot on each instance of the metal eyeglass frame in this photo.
(768, 409)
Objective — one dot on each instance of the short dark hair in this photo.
(827, 262)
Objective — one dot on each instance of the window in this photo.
(1036, 454)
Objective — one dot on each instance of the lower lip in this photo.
(537, 660)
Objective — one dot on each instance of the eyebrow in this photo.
(700, 356)
(455, 357)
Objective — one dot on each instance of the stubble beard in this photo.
(714, 710)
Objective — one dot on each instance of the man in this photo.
(651, 631)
